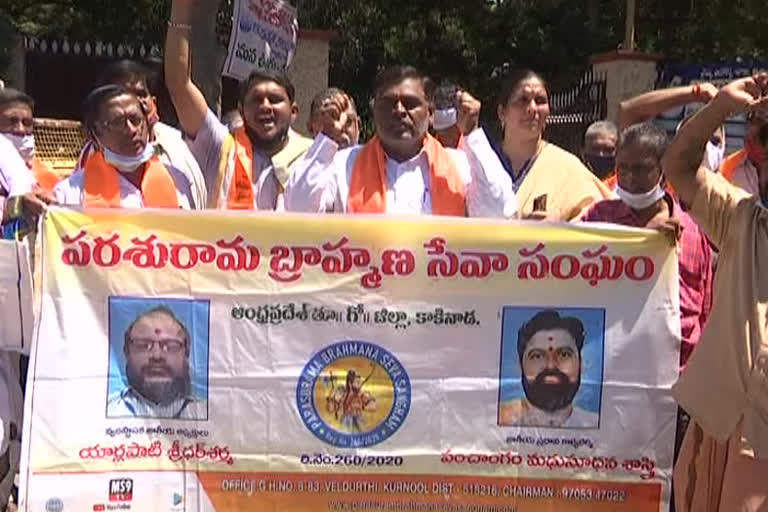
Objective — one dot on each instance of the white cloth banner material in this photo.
(264, 35)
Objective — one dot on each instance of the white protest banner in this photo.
(16, 311)
(219, 361)
(264, 35)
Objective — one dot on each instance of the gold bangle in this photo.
(181, 26)
(13, 207)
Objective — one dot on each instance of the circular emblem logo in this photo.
(54, 505)
(353, 394)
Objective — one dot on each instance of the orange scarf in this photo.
(368, 186)
(241, 190)
(45, 177)
(730, 164)
(102, 184)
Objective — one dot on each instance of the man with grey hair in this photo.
(599, 150)
(157, 348)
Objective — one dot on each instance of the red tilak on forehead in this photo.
(158, 331)
(551, 338)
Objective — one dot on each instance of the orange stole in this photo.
(45, 177)
(730, 164)
(368, 186)
(102, 184)
(240, 196)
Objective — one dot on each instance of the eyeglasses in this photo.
(26, 122)
(119, 123)
(170, 346)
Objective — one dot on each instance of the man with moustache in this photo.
(403, 169)
(549, 347)
(157, 348)
(249, 168)
(352, 402)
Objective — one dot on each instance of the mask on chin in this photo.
(24, 144)
(128, 164)
(640, 201)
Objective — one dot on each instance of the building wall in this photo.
(628, 74)
(309, 74)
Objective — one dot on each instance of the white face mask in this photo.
(713, 157)
(444, 119)
(640, 201)
(24, 144)
(128, 164)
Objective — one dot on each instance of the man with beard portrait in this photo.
(549, 347)
(157, 348)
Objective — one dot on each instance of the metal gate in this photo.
(573, 110)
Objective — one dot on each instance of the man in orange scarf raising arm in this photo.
(247, 169)
(403, 169)
(125, 170)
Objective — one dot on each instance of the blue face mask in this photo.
(128, 164)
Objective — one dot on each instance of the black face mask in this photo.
(551, 397)
(600, 165)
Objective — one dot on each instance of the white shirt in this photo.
(72, 190)
(15, 177)
(320, 181)
(174, 151)
(206, 147)
(130, 404)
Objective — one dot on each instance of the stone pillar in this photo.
(628, 74)
(206, 53)
(309, 70)
(17, 70)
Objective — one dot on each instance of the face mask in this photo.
(640, 201)
(444, 119)
(713, 156)
(600, 165)
(128, 164)
(24, 144)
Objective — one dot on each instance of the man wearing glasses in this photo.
(125, 170)
(157, 348)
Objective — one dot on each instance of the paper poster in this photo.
(217, 361)
(264, 35)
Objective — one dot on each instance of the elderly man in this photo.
(166, 139)
(403, 169)
(157, 349)
(644, 203)
(599, 151)
(549, 347)
(724, 457)
(334, 114)
(125, 169)
(17, 126)
(247, 169)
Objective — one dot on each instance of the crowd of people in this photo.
(430, 156)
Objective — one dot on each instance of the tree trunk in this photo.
(207, 54)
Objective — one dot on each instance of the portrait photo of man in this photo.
(549, 361)
(157, 377)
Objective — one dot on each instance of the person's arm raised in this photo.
(649, 105)
(682, 160)
(190, 104)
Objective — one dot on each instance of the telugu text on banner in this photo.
(264, 35)
(227, 362)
